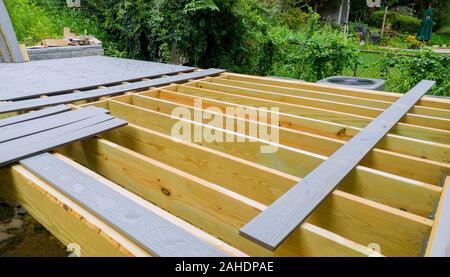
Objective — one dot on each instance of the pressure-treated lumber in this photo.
(386, 225)
(403, 129)
(146, 228)
(286, 159)
(7, 31)
(439, 243)
(46, 123)
(426, 101)
(410, 167)
(387, 191)
(272, 226)
(283, 160)
(71, 223)
(66, 220)
(23, 147)
(403, 145)
(33, 115)
(98, 93)
(356, 109)
(356, 100)
(189, 198)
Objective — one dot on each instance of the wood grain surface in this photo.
(156, 234)
(271, 227)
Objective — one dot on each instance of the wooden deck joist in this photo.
(389, 199)
(72, 223)
(155, 234)
(272, 226)
(426, 101)
(24, 105)
(188, 197)
(388, 161)
(344, 118)
(395, 192)
(277, 91)
(400, 144)
(356, 109)
(132, 139)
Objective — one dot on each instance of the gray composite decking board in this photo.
(156, 234)
(109, 91)
(440, 246)
(47, 77)
(9, 35)
(34, 126)
(271, 227)
(5, 56)
(33, 115)
(14, 150)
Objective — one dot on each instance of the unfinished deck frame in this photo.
(271, 227)
(388, 200)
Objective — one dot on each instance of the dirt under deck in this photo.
(22, 236)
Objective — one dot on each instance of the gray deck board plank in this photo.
(38, 125)
(154, 233)
(14, 150)
(97, 93)
(48, 77)
(33, 115)
(271, 227)
(9, 35)
(5, 56)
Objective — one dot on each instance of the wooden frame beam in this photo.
(151, 231)
(356, 109)
(362, 181)
(66, 220)
(418, 148)
(144, 118)
(387, 161)
(426, 101)
(188, 197)
(355, 100)
(408, 130)
(272, 226)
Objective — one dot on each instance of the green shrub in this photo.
(311, 58)
(399, 22)
(205, 33)
(406, 71)
(34, 20)
(294, 18)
